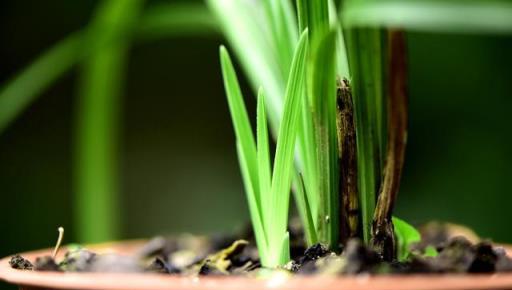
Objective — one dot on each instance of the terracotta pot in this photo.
(31, 280)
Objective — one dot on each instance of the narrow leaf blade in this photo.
(283, 165)
(322, 76)
(240, 117)
(264, 166)
(256, 218)
(305, 212)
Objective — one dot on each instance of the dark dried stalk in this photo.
(383, 238)
(349, 210)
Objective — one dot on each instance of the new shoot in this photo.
(268, 190)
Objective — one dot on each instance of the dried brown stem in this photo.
(383, 238)
(348, 162)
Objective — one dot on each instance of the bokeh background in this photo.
(178, 163)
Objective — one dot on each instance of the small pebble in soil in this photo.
(504, 263)
(160, 266)
(18, 262)
(359, 258)
(77, 261)
(457, 256)
(306, 263)
(209, 268)
(314, 252)
(46, 263)
(485, 259)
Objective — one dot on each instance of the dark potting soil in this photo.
(458, 251)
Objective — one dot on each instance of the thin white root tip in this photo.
(59, 241)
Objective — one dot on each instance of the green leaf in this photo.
(240, 117)
(263, 34)
(268, 199)
(97, 205)
(249, 33)
(444, 16)
(264, 171)
(283, 165)
(248, 155)
(307, 165)
(430, 251)
(366, 60)
(288, 129)
(317, 16)
(406, 235)
(285, 249)
(322, 79)
(283, 31)
(305, 210)
(254, 211)
(302, 13)
(342, 69)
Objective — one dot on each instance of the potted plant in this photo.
(332, 89)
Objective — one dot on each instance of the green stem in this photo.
(97, 175)
(365, 59)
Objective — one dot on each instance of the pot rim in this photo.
(139, 281)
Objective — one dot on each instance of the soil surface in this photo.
(444, 248)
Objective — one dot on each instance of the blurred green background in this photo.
(178, 163)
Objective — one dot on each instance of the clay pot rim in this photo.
(139, 281)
